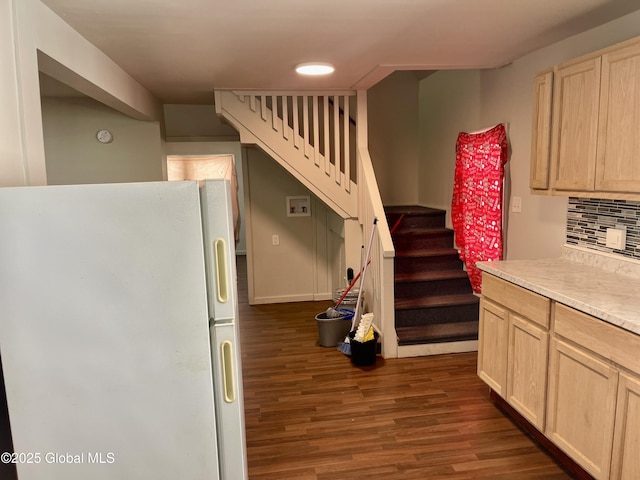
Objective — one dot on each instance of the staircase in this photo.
(435, 308)
(321, 139)
(311, 135)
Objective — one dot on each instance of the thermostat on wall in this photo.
(104, 136)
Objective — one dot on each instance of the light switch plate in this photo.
(516, 204)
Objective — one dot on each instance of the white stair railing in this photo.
(309, 133)
(380, 284)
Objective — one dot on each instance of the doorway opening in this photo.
(203, 167)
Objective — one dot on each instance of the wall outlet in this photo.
(516, 204)
(616, 238)
(275, 240)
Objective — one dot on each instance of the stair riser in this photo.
(411, 220)
(421, 264)
(451, 286)
(435, 315)
(421, 242)
(470, 332)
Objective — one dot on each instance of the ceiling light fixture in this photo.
(314, 68)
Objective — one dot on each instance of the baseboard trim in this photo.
(307, 297)
(406, 351)
(575, 470)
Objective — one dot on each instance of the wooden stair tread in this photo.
(426, 252)
(413, 209)
(443, 332)
(429, 275)
(422, 231)
(437, 301)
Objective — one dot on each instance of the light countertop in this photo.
(576, 280)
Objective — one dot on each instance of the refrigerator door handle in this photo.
(226, 355)
(220, 249)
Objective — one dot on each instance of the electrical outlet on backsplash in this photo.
(589, 218)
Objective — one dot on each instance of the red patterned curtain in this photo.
(476, 208)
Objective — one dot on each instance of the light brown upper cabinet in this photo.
(618, 157)
(575, 125)
(541, 139)
(595, 126)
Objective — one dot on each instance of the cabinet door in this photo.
(541, 131)
(625, 464)
(575, 123)
(527, 370)
(492, 346)
(617, 166)
(581, 407)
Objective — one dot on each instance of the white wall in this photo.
(67, 56)
(449, 103)
(31, 34)
(392, 109)
(453, 101)
(303, 266)
(11, 153)
(74, 155)
(196, 123)
(22, 159)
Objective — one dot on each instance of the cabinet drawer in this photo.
(522, 301)
(608, 341)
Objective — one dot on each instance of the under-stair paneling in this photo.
(301, 267)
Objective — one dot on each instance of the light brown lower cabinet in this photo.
(513, 346)
(581, 407)
(626, 439)
(492, 351)
(527, 369)
(575, 378)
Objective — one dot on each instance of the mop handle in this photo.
(353, 282)
(355, 279)
(364, 271)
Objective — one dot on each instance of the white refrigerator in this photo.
(119, 332)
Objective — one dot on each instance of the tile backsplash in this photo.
(589, 218)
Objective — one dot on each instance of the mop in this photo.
(345, 346)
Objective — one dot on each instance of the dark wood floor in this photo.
(311, 414)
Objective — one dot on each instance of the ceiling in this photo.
(180, 50)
